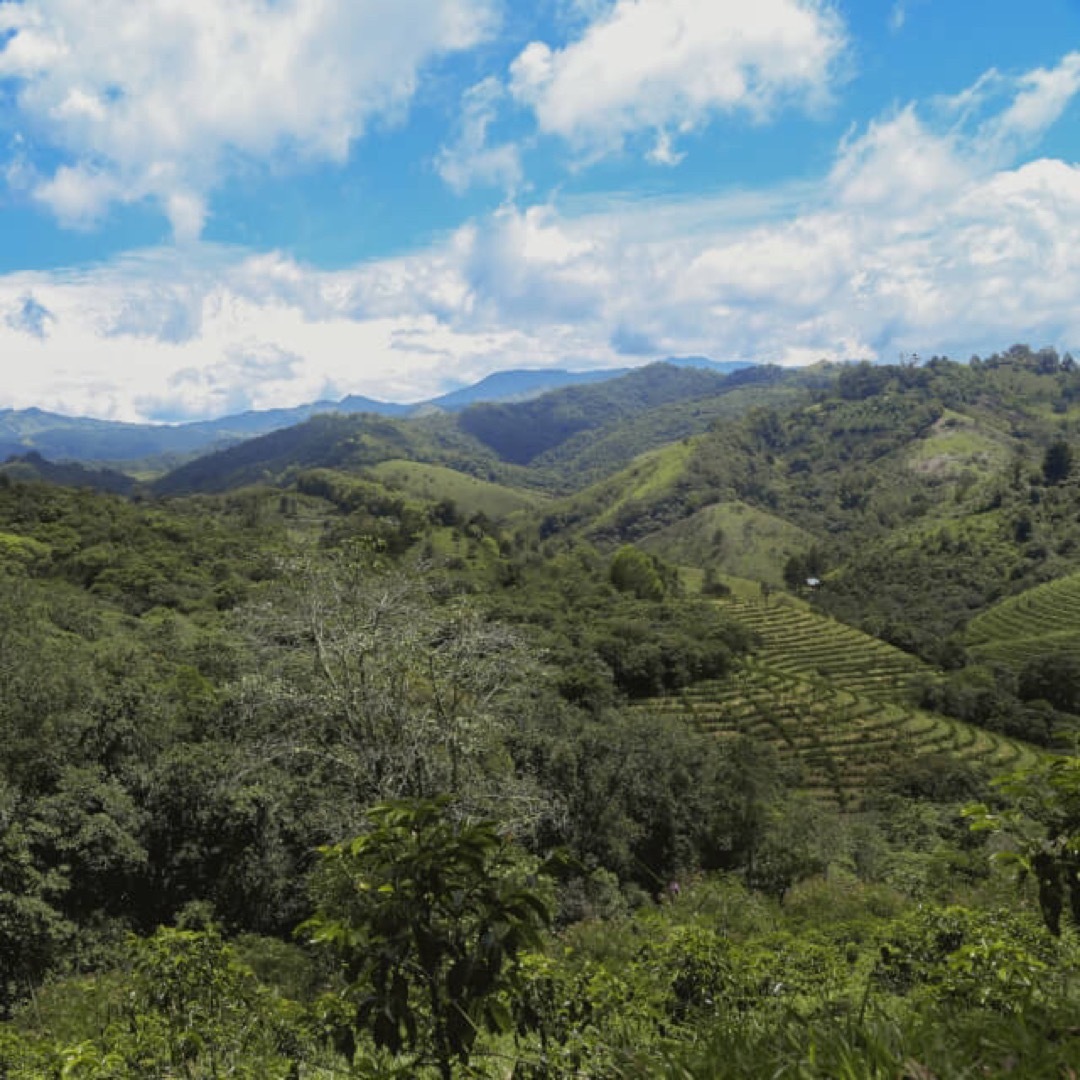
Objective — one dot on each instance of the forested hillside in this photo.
(696, 731)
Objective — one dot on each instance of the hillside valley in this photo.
(677, 723)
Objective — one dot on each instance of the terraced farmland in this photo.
(830, 700)
(797, 640)
(1042, 620)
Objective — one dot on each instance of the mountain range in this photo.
(157, 447)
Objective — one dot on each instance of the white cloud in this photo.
(898, 162)
(30, 317)
(470, 160)
(663, 65)
(1042, 97)
(906, 160)
(913, 241)
(663, 152)
(152, 100)
(78, 195)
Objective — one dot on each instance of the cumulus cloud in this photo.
(155, 99)
(897, 161)
(661, 66)
(236, 382)
(30, 317)
(913, 241)
(1040, 98)
(470, 161)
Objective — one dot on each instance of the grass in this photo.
(471, 495)
(732, 538)
(955, 443)
(647, 476)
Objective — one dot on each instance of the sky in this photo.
(208, 207)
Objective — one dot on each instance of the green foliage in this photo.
(930, 951)
(634, 572)
(33, 931)
(196, 693)
(603, 639)
(186, 1007)
(428, 916)
(799, 842)
(519, 433)
(1053, 677)
(21, 553)
(1057, 462)
(1042, 825)
(651, 799)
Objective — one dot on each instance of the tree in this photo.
(1053, 677)
(429, 917)
(633, 571)
(1043, 825)
(1057, 462)
(798, 842)
(384, 692)
(33, 933)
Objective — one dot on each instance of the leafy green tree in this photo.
(1053, 677)
(89, 830)
(33, 932)
(633, 571)
(429, 917)
(1057, 462)
(1043, 824)
(800, 838)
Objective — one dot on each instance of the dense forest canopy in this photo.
(385, 747)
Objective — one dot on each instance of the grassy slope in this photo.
(647, 479)
(731, 538)
(958, 442)
(471, 495)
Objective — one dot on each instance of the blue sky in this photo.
(209, 207)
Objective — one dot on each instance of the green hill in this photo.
(470, 495)
(1041, 621)
(332, 441)
(361, 624)
(731, 539)
(520, 433)
(33, 466)
(592, 454)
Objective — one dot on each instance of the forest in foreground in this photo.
(673, 727)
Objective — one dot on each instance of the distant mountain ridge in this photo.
(33, 466)
(83, 439)
(484, 439)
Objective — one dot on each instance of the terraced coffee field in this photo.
(797, 640)
(1042, 620)
(830, 700)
